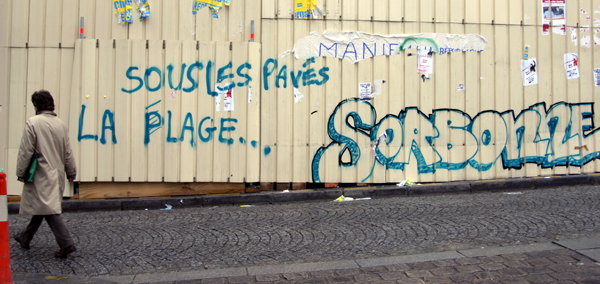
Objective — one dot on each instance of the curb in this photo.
(386, 190)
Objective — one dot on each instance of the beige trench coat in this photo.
(49, 137)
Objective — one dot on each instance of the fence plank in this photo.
(239, 119)
(156, 111)
(222, 148)
(125, 114)
(106, 110)
(172, 101)
(36, 23)
(138, 105)
(206, 114)
(188, 137)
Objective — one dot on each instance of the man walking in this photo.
(48, 137)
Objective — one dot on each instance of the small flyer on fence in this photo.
(529, 71)
(571, 66)
(554, 16)
(364, 91)
(597, 77)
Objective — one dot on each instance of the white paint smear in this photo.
(357, 46)
(297, 95)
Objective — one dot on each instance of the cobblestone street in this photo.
(121, 243)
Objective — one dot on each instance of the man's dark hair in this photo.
(42, 100)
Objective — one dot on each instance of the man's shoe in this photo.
(62, 253)
(17, 238)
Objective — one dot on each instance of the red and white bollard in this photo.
(5, 272)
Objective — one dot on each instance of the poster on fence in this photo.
(597, 77)
(554, 15)
(571, 66)
(529, 72)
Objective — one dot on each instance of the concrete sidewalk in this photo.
(568, 261)
(270, 197)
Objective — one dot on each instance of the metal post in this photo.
(81, 28)
(252, 31)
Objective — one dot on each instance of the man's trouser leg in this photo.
(62, 235)
(27, 234)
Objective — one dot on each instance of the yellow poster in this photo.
(304, 8)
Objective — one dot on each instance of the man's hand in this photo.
(21, 179)
(71, 180)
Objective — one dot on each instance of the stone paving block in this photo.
(438, 280)
(313, 281)
(563, 267)
(422, 265)
(468, 268)
(411, 281)
(564, 275)
(340, 279)
(213, 281)
(374, 269)
(367, 277)
(540, 262)
(267, 277)
(418, 273)
(445, 262)
(443, 271)
(301, 267)
(398, 267)
(539, 278)
(511, 272)
(516, 263)
(392, 275)
(468, 260)
(322, 274)
(514, 281)
(516, 256)
(536, 269)
(241, 279)
(295, 276)
(463, 277)
(540, 254)
(492, 266)
(487, 275)
(349, 271)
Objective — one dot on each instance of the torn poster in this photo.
(297, 95)
(571, 66)
(377, 88)
(364, 91)
(119, 6)
(554, 15)
(228, 102)
(249, 94)
(357, 46)
(529, 71)
(143, 7)
(214, 6)
(425, 62)
(596, 78)
(303, 9)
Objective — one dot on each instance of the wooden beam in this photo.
(89, 190)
